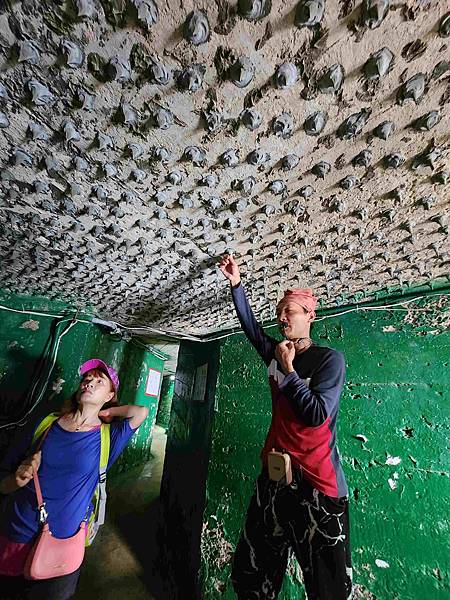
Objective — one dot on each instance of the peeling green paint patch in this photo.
(30, 324)
(57, 385)
(362, 593)
(428, 317)
(293, 570)
(217, 552)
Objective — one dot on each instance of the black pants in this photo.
(56, 588)
(296, 518)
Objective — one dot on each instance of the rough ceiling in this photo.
(140, 140)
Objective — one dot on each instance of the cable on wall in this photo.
(47, 363)
(38, 314)
(44, 371)
(145, 330)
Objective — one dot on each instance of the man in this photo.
(308, 516)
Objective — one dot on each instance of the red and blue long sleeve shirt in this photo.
(305, 404)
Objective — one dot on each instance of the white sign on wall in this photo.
(199, 386)
(153, 381)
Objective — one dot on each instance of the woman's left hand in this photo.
(105, 415)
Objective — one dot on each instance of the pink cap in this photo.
(96, 363)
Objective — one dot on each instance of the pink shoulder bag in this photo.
(50, 556)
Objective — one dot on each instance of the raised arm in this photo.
(135, 413)
(252, 329)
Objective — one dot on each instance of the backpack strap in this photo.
(44, 425)
(105, 441)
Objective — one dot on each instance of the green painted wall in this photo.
(23, 338)
(185, 469)
(397, 395)
(135, 370)
(165, 403)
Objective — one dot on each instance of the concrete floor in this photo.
(123, 561)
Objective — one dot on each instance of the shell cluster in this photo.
(140, 141)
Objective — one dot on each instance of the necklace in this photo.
(307, 344)
(82, 423)
(80, 426)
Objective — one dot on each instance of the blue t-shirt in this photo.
(68, 476)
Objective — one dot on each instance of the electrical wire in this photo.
(146, 330)
(172, 335)
(338, 314)
(138, 343)
(38, 314)
(382, 307)
(53, 353)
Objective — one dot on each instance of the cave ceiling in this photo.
(141, 139)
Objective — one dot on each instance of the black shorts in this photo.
(294, 518)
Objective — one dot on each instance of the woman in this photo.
(68, 467)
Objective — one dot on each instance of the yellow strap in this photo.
(44, 424)
(104, 436)
(104, 445)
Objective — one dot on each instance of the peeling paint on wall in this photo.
(392, 439)
(57, 385)
(30, 324)
(216, 550)
(361, 593)
(432, 318)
